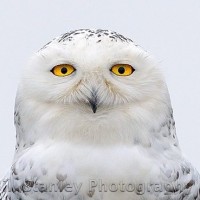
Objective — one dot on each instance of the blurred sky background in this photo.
(170, 30)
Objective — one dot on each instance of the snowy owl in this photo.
(94, 121)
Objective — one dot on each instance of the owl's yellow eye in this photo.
(122, 69)
(63, 70)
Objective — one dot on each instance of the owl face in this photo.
(93, 71)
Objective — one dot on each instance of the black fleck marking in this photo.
(62, 185)
(112, 37)
(185, 170)
(45, 46)
(14, 171)
(91, 193)
(69, 36)
(29, 183)
(17, 119)
(190, 184)
(172, 189)
(177, 175)
(61, 177)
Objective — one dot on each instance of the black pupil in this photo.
(64, 70)
(121, 70)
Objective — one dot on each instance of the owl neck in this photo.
(133, 125)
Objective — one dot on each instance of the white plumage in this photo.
(91, 131)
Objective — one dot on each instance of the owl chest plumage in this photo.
(77, 170)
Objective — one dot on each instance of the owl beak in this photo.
(93, 106)
(93, 100)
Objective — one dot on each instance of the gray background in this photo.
(170, 30)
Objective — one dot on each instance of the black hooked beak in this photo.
(93, 100)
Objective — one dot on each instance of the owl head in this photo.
(89, 80)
